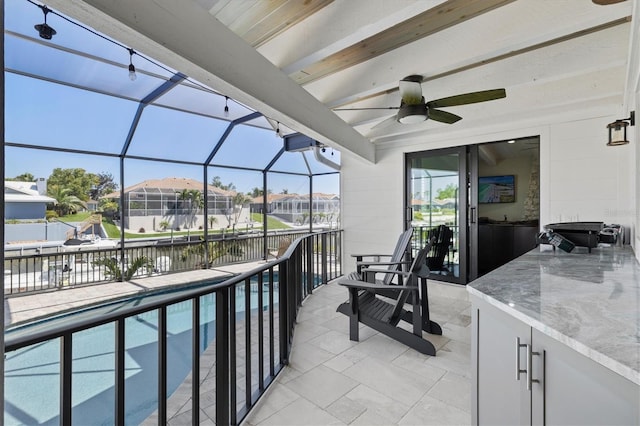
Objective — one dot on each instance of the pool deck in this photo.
(18, 309)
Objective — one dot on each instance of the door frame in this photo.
(462, 201)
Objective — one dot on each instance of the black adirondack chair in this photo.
(367, 307)
(435, 259)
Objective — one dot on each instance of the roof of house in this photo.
(24, 192)
(173, 184)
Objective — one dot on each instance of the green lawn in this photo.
(271, 222)
(113, 231)
(77, 217)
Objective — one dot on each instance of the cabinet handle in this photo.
(530, 379)
(518, 346)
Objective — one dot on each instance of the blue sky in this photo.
(43, 113)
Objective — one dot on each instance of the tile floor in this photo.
(330, 379)
(333, 381)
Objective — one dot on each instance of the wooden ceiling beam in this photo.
(263, 20)
(445, 15)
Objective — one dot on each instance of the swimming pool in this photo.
(32, 382)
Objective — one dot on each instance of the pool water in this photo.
(32, 382)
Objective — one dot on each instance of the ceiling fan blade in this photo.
(411, 90)
(386, 122)
(468, 98)
(363, 109)
(607, 2)
(443, 116)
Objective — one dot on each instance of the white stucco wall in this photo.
(580, 177)
(632, 103)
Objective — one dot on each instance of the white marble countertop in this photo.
(588, 301)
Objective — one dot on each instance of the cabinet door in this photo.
(498, 397)
(486, 259)
(524, 239)
(575, 390)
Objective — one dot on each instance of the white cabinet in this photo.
(555, 385)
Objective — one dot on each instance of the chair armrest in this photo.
(386, 271)
(382, 263)
(363, 285)
(371, 255)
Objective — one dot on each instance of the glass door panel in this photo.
(436, 202)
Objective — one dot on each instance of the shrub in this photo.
(51, 214)
(141, 230)
(113, 271)
(177, 228)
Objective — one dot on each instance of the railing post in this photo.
(222, 356)
(195, 362)
(119, 372)
(66, 371)
(162, 365)
(283, 293)
(247, 341)
(309, 267)
(324, 257)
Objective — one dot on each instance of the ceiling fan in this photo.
(414, 109)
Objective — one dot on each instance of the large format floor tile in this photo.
(376, 381)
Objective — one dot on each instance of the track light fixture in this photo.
(226, 106)
(45, 31)
(278, 129)
(132, 69)
(618, 130)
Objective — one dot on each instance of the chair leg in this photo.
(429, 326)
(353, 315)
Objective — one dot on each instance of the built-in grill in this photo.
(582, 234)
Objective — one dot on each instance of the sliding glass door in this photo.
(437, 202)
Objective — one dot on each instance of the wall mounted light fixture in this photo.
(618, 130)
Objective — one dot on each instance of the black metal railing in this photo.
(80, 265)
(233, 338)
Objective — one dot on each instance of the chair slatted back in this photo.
(443, 235)
(416, 270)
(398, 253)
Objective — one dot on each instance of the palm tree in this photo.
(193, 200)
(196, 200)
(239, 201)
(65, 202)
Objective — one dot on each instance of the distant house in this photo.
(152, 202)
(91, 205)
(294, 208)
(447, 203)
(26, 200)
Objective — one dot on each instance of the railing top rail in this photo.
(15, 340)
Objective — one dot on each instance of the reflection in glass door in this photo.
(436, 202)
